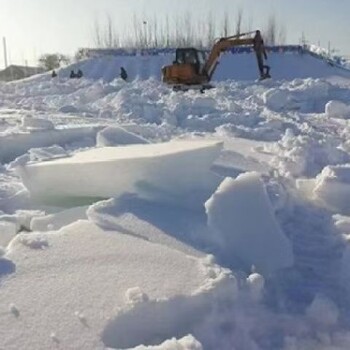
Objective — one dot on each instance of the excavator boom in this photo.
(221, 46)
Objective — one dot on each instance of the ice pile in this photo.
(240, 213)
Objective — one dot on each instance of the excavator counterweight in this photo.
(193, 68)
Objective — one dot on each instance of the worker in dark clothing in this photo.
(260, 52)
(123, 73)
(79, 74)
(54, 74)
(72, 74)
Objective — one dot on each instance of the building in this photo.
(15, 72)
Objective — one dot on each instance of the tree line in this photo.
(150, 32)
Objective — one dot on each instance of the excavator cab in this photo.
(188, 56)
(187, 68)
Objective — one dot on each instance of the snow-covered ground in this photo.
(135, 217)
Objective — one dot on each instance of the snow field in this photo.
(229, 228)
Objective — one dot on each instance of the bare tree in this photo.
(97, 33)
(51, 61)
(225, 25)
(182, 30)
(282, 35)
(271, 30)
(239, 17)
(210, 30)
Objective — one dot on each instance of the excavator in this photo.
(193, 69)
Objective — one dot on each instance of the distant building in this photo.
(15, 72)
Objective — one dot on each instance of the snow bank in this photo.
(176, 171)
(86, 278)
(323, 311)
(332, 188)
(115, 136)
(232, 66)
(186, 343)
(240, 213)
(304, 95)
(337, 109)
(305, 155)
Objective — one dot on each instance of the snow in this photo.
(231, 66)
(115, 136)
(86, 269)
(337, 109)
(239, 212)
(332, 187)
(148, 219)
(323, 311)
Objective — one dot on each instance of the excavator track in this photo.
(201, 87)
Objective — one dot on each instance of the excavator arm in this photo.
(221, 46)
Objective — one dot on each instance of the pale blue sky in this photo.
(33, 27)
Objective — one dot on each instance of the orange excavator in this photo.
(193, 69)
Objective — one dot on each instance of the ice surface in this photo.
(241, 216)
(166, 172)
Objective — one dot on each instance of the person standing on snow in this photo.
(79, 74)
(72, 74)
(123, 73)
(260, 52)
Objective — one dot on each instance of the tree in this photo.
(239, 17)
(271, 30)
(81, 54)
(50, 61)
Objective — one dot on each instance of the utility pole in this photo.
(5, 51)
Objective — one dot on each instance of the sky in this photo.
(34, 27)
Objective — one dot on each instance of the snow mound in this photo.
(332, 188)
(164, 172)
(115, 136)
(185, 343)
(241, 215)
(323, 311)
(88, 270)
(232, 66)
(305, 155)
(337, 109)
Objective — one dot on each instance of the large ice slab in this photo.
(241, 215)
(173, 171)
